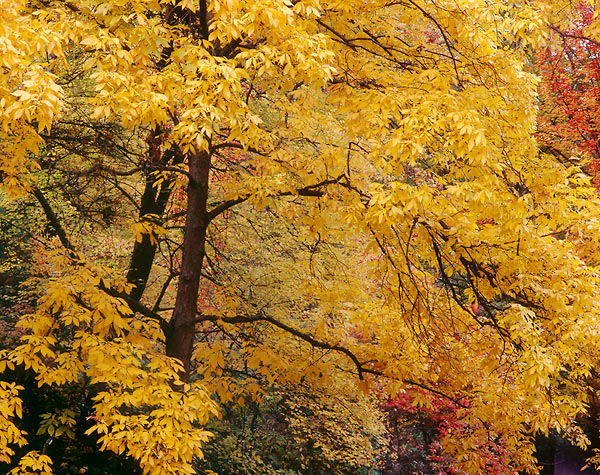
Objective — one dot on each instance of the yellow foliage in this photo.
(33, 463)
(10, 407)
(425, 239)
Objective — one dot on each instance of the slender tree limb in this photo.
(574, 37)
(297, 333)
(135, 305)
(435, 391)
(214, 148)
(132, 171)
(66, 243)
(309, 190)
(163, 290)
(449, 46)
(54, 222)
(326, 346)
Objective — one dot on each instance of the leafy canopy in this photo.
(363, 199)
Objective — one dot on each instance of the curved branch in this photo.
(574, 37)
(309, 190)
(323, 345)
(66, 243)
(297, 333)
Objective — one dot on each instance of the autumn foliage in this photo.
(286, 224)
(421, 429)
(570, 93)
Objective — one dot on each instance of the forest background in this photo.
(280, 237)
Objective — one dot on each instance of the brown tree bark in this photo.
(152, 202)
(180, 334)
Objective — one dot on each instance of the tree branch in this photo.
(309, 190)
(136, 306)
(54, 222)
(449, 46)
(297, 333)
(574, 37)
(62, 235)
(323, 345)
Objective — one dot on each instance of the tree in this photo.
(567, 124)
(569, 93)
(319, 191)
(418, 435)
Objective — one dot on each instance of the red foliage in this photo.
(418, 433)
(569, 115)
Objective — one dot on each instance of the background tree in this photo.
(568, 125)
(569, 92)
(417, 436)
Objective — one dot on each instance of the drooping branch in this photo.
(565, 161)
(572, 36)
(297, 333)
(439, 393)
(54, 221)
(323, 345)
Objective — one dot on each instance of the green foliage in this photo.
(267, 438)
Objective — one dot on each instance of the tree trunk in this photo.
(180, 336)
(152, 202)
